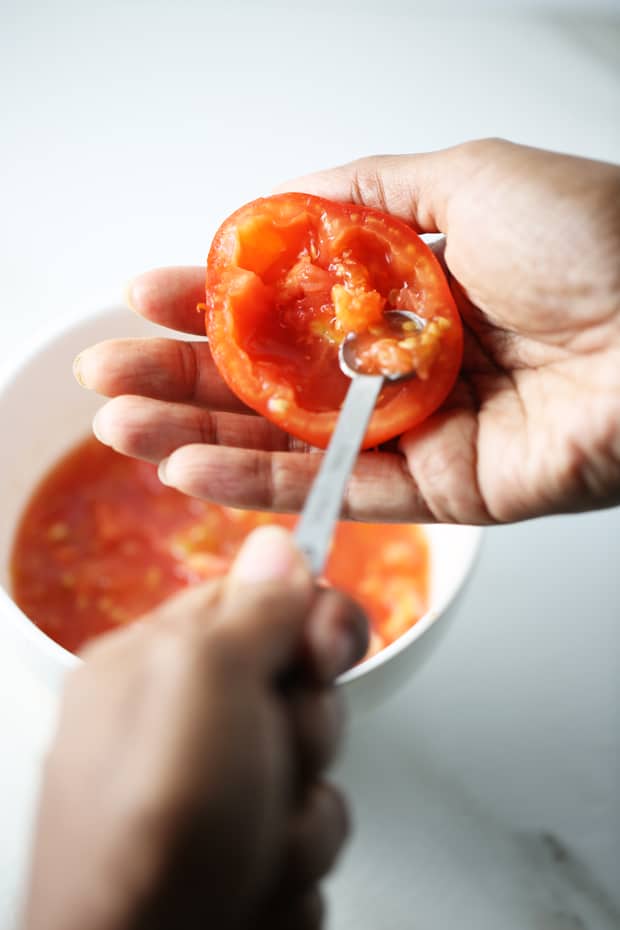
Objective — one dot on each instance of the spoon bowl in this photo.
(357, 350)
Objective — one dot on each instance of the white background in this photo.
(128, 131)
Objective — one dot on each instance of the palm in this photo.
(518, 434)
(533, 424)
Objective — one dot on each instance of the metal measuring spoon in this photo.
(324, 502)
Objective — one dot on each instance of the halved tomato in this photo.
(289, 276)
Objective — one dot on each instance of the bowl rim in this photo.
(428, 619)
(99, 307)
(25, 351)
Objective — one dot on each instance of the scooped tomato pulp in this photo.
(289, 276)
(102, 541)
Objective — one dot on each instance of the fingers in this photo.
(164, 369)
(266, 599)
(417, 188)
(380, 489)
(170, 297)
(316, 836)
(303, 912)
(337, 635)
(443, 456)
(152, 429)
(270, 598)
(242, 461)
(317, 716)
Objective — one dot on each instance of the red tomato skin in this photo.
(401, 406)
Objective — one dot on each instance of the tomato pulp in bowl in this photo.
(102, 542)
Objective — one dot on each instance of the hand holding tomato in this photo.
(184, 787)
(532, 425)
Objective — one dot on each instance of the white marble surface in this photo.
(487, 793)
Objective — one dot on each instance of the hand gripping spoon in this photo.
(314, 530)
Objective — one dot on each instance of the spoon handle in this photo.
(314, 530)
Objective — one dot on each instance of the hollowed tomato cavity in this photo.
(289, 276)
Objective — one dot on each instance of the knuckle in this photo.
(367, 186)
(482, 146)
(188, 368)
(477, 153)
(320, 727)
(320, 835)
(282, 484)
(206, 426)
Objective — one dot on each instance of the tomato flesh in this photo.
(288, 277)
(102, 542)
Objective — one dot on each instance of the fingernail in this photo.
(130, 295)
(269, 554)
(97, 430)
(161, 472)
(77, 371)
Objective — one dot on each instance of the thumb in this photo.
(269, 554)
(414, 188)
(267, 597)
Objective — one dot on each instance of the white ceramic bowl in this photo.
(43, 412)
